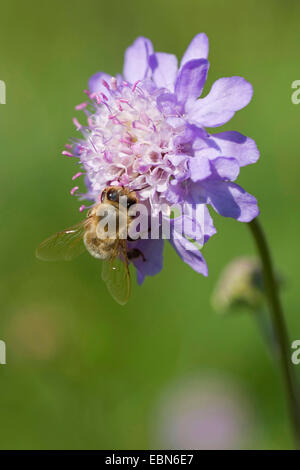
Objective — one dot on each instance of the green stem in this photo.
(280, 329)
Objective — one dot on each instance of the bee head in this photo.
(114, 193)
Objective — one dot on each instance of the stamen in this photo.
(77, 175)
(81, 148)
(114, 83)
(87, 93)
(144, 118)
(126, 140)
(123, 100)
(126, 150)
(73, 190)
(107, 156)
(135, 85)
(77, 123)
(138, 125)
(94, 146)
(104, 83)
(67, 154)
(114, 119)
(81, 106)
(81, 208)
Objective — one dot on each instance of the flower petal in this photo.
(196, 223)
(209, 228)
(180, 168)
(230, 200)
(227, 95)
(95, 82)
(153, 253)
(167, 104)
(191, 80)
(136, 62)
(190, 254)
(175, 192)
(165, 68)
(225, 168)
(239, 146)
(200, 168)
(197, 49)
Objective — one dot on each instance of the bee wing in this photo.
(65, 245)
(115, 274)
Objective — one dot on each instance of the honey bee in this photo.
(111, 249)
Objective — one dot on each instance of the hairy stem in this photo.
(271, 288)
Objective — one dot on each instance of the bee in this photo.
(112, 248)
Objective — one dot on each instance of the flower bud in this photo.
(240, 285)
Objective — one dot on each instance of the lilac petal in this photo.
(230, 200)
(165, 70)
(95, 82)
(175, 192)
(200, 168)
(176, 122)
(203, 168)
(210, 166)
(197, 49)
(191, 134)
(209, 228)
(241, 147)
(166, 103)
(226, 168)
(180, 164)
(196, 223)
(153, 253)
(191, 80)
(136, 62)
(198, 214)
(227, 95)
(201, 146)
(190, 254)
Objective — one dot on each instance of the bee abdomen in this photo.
(98, 248)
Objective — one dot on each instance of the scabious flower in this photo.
(146, 130)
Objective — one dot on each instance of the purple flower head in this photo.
(146, 130)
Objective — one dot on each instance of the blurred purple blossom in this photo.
(205, 412)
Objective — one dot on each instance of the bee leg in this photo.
(135, 253)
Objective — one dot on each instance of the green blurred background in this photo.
(81, 371)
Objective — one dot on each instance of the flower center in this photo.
(129, 141)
